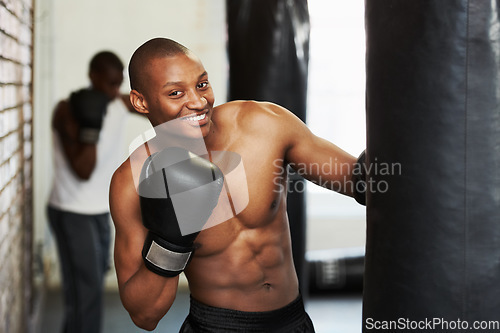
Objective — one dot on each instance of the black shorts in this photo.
(202, 318)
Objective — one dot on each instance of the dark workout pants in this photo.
(207, 319)
(83, 244)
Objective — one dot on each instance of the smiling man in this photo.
(240, 272)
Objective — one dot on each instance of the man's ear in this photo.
(138, 102)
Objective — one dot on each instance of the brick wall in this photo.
(16, 22)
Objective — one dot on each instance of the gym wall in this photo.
(16, 292)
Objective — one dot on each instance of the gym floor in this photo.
(337, 313)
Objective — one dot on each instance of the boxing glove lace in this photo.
(178, 191)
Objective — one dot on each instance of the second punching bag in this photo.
(268, 51)
(433, 111)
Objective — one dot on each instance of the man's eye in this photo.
(202, 85)
(174, 93)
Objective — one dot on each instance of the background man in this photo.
(86, 129)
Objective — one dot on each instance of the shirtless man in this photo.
(241, 275)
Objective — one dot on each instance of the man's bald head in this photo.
(152, 49)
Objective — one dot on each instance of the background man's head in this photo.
(106, 73)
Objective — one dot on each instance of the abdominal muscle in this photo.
(245, 269)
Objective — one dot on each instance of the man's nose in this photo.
(196, 101)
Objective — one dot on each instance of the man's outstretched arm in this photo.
(315, 158)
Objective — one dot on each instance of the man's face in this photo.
(177, 87)
(108, 81)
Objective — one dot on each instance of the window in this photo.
(336, 105)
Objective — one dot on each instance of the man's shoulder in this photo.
(251, 114)
(129, 172)
(122, 172)
(62, 108)
(245, 106)
(123, 177)
(62, 118)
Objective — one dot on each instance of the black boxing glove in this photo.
(88, 107)
(359, 179)
(178, 191)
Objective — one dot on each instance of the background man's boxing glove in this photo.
(178, 191)
(88, 107)
(359, 179)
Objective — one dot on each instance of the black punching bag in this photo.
(268, 52)
(433, 134)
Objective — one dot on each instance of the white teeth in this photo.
(196, 118)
